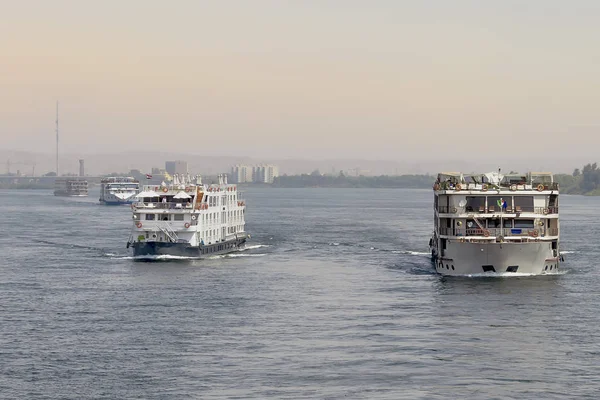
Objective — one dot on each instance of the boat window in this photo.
(494, 201)
(493, 223)
(178, 217)
(524, 203)
(165, 217)
(524, 223)
(475, 203)
(149, 217)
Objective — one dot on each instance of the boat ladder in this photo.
(169, 232)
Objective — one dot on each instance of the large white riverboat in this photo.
(486, 223)
(188, 218)
(117, 190)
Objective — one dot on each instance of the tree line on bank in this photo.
(581, 181)
(316, 179)
(584, 181)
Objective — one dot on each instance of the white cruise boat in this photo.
(495, 223)
(116, 190)
(187, 218)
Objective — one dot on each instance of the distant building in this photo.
(262, 173)
(271, 172)
(176, 167)
(258, 174)
(241, 174)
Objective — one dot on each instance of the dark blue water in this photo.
(336, 298)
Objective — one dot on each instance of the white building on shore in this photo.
(262, 173)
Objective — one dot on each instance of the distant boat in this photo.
(117, 190)
(71, 187)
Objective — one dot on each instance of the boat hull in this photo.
(150, 248)
(464, 258)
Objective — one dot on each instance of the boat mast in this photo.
(57, 138)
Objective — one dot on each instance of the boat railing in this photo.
(496, 232)
(164, 206)
(495, 186)
(496, 209)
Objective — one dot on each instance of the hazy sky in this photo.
(372, 79)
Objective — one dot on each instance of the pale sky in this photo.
(305, 79)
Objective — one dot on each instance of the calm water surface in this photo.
(335, 298)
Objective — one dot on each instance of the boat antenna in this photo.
(57, 138)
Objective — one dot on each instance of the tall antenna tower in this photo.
(57, 138)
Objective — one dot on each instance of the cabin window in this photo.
(524, 223)
(494, 201)
(475, 204)
(524, 203)
(165, 217)
(149, 217)
(178, 217)
(493, 223)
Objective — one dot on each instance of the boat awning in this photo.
(182, 195)
(150, 193)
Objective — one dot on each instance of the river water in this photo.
(335, 297)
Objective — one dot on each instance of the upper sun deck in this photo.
(185, 193)
(532, 181)
(119, 179)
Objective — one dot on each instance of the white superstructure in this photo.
(495, 223)
(188, 218)
(117, 190)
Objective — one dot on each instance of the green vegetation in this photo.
(585, 181)
(315, 179)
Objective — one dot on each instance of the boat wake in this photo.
(412, 253)
(506, 274)
(165, 257)
(256, 246)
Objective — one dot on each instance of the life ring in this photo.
(193, 217)
(486, 233)
(454, 210)
(513, 187)
(540, 187)
(186, 225)
(534, 233)
(458, 187)
(165, 190)
(139, 225)
(484, 187)
(545, 211)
